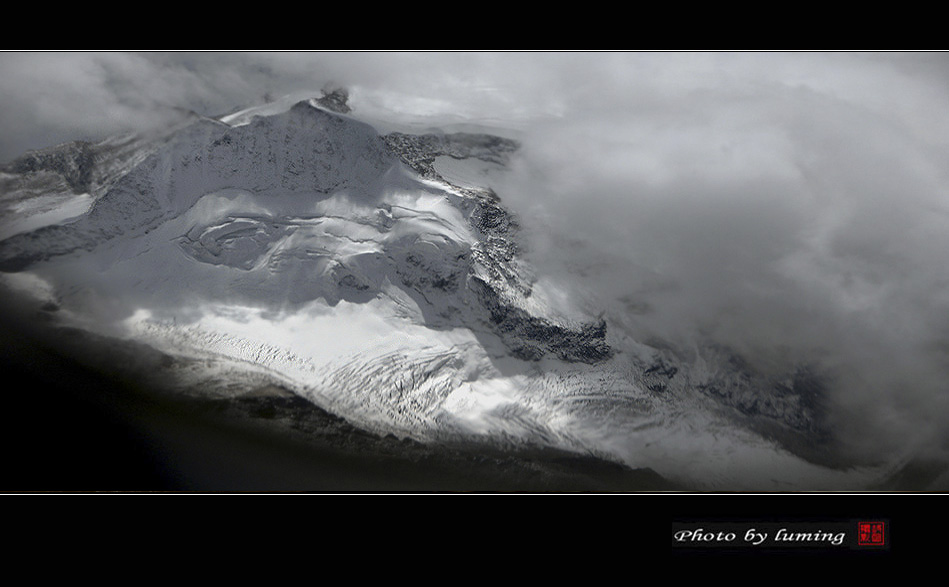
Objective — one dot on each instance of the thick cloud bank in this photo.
(792, 207)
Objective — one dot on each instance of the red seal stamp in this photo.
(871, 534)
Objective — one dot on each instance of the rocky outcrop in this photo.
(794, 401)
(420, 151)
(73, 162)
(532, 337)
(335, 99)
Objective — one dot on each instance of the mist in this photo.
(791, 206)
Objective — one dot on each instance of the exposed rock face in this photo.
(795, 400)
(497, 277)
(73, 162)
(532, 337)
(420, 151)
(335, 100)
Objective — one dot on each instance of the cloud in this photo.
(793, 207)
(50, 97)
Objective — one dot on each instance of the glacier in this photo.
(378, 276)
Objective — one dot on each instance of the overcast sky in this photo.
(787, 204)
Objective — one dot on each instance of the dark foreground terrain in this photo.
(71, 423)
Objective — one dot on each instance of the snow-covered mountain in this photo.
(379, 277)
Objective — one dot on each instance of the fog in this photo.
(792, 206)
